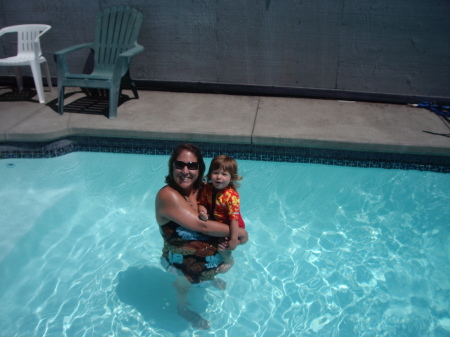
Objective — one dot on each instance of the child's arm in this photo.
(234, 237)
(238, 235)
(202, 213)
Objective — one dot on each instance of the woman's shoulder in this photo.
(165, 188)
(166, 192)
(166, 199)
(167, 195)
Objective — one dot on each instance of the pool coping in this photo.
(260, 127)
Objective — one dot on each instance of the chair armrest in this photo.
(132, 52)
(72, 49)
(60, 57)
(123, 61)
(37, 43)
(5, 30)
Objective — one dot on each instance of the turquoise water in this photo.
(333, 251)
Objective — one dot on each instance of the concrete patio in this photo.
(227, 119)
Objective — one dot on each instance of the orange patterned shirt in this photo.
(227, 207)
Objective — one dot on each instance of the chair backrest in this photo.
(117, 30)
(28, 38)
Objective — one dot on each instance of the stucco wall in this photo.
(384, 46)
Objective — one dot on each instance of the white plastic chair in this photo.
(28, 54)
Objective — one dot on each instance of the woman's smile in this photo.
(185, 177)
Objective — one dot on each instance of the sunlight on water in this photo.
(333, 251)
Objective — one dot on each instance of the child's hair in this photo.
(229, 165)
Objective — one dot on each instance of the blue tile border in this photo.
(239, 151)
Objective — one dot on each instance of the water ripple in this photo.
(332, 252)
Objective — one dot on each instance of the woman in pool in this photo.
(191, 246)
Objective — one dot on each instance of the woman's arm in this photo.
(170, 205)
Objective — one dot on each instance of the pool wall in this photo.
(9, 150)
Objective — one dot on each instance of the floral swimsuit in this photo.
(194, 254)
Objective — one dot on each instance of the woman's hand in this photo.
(223, 244)
(232, 244)
(227, 244)
(242, 236)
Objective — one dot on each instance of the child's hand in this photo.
(203, 216)
(202, 213)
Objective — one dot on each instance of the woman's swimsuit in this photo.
(194, 254)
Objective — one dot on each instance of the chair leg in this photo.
(134, 89)
(60, 100)
(113, 101)
(127, 81)
(49, 78)
(36, 70)
(18, 73)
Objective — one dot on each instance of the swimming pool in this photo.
(333, 251)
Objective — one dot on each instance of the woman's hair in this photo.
(201, 164)
(229, 165)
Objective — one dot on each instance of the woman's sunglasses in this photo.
(179, 165)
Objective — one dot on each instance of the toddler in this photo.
(220, 199)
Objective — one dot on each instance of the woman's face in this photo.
(185, 177)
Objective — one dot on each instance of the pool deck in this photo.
(258, 120)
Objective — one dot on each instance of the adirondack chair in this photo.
(115, 43)
(28, 54)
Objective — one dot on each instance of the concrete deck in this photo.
(227, 119)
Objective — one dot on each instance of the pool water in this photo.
(333, 251)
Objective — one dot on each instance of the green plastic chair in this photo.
(115, 43)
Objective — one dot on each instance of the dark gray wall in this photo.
(383, 46)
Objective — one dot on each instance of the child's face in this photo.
(220, 178)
